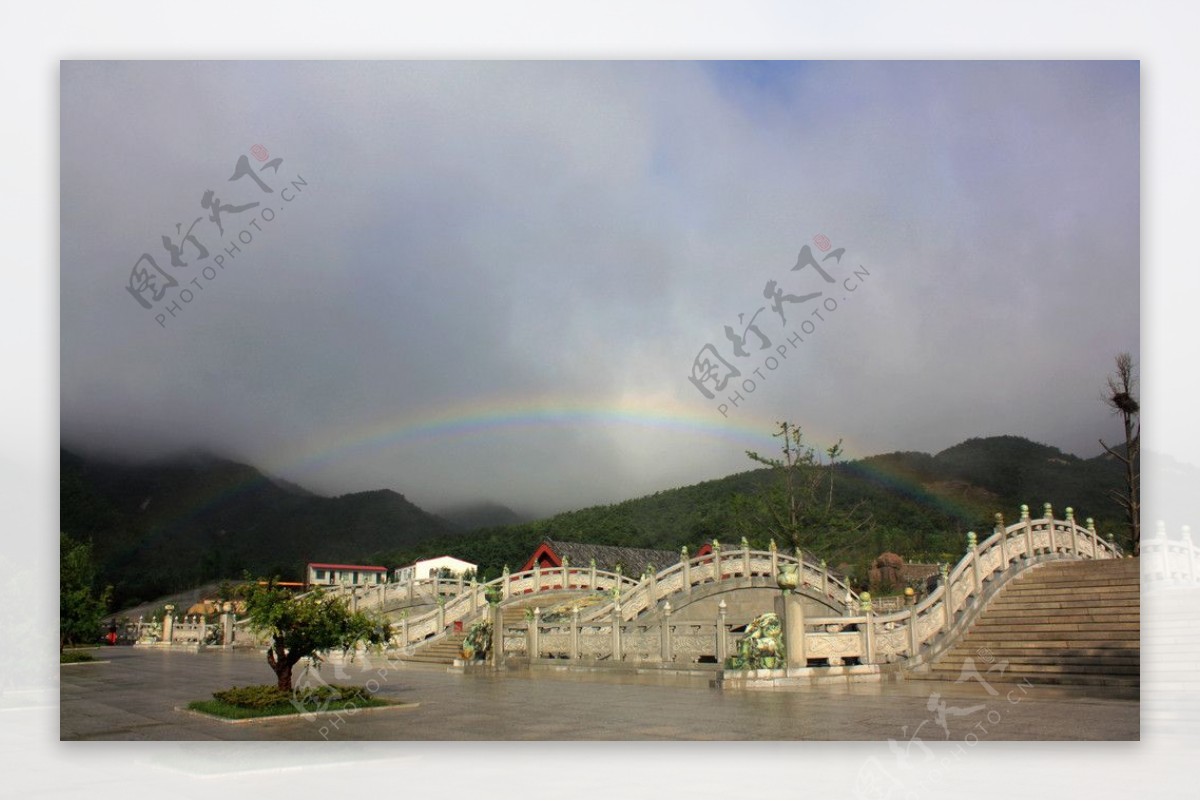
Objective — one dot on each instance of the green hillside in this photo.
(916, 504)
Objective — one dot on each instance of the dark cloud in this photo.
(498, 274)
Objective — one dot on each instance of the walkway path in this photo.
(134, 698)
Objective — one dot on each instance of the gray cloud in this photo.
(498, 274)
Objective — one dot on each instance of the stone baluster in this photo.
(1048, 513)
(203, 638)
(412, 586)
(459, 589)
(794, 630)
(441, 613)
(168, 625)
(616, 633)
(774, 558)
(716, 560)
(973, 550)
(537, 576)
(227, 624)
(574, 633)
(824, 579)
(404, 629)
(686, 561)
(497, 652)
(1028, 526)
(745, 557)
(944, 576)
(505, 584)
(722, 642)
(914, 647)
(1095, 538)
(354, 599)
(1074, 535)
(534, 644)
(998, 529)
(651, 587)
(665, 635)
(592, 574)
(566, 573)
(868, 627)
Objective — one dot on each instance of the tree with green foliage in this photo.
(796, 510)
(80, 609)
(1122, 386)
(309, 625)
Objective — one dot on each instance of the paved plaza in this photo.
(135, 696)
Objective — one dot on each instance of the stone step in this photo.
(1042, 625)
(1065, 679)
(1067, 616)
(1022, 666)
(1056, 593)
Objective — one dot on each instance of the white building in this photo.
(427, 568)
(328, 575)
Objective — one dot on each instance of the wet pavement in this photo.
(136, 696)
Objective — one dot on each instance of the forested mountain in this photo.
(916, 504)
(165, 526)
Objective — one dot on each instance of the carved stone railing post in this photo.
(537, 576)
(535, 634)
(1095, 538)
(716, 554)
(794, 630)
(354, 600)
(913, 645)
(404, 628)
(824, 579)
(973, 552)
(687, 570)
(202, 638)
(226, 623)
(944, 576)
(868, 628)
(459, 589)
(412, 586)
(664, 640)
(505, 583)
(566, 573)
(574, 633)
(1028, 525)
(592, 574)
(616, 633)
(745, 557)
(998, 529)
(1074, 535)
(651, 587)
(168, 626)
(1048, 513)
(497, 619)
(722, 644)
(441, 613)
(774, 559)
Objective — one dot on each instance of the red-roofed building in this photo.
(326, 575)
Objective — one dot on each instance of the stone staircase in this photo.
(1070, 624)
(440, 652)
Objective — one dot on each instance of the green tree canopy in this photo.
(306, 626)
(80, 609)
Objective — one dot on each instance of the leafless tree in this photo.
(1121, 397)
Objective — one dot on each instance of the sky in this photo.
(512, 280)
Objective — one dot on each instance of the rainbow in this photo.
(326, 449)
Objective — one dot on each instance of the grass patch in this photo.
(71, 657)
(263, 701)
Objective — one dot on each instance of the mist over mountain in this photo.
(166, 525)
